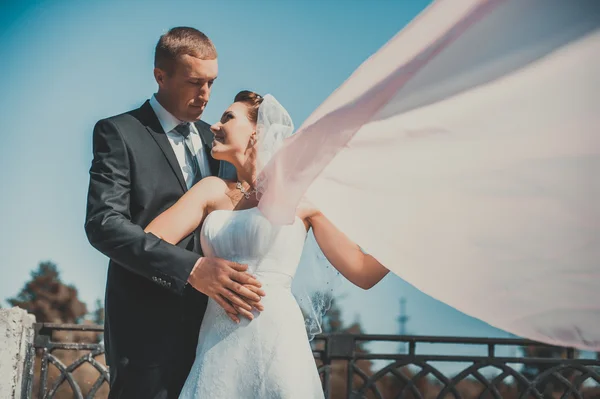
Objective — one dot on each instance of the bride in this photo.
(267, 355)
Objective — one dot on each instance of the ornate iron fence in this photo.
(47, 357)
(350, 371)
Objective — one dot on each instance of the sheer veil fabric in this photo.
(315, 286)
(464, 156)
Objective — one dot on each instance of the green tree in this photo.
(48, 298)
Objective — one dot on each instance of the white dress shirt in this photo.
(168, 123)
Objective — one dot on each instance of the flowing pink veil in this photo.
(464, 155)
(315, 285)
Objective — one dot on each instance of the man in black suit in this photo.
(144, 161)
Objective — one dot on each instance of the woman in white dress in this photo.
(266, 355)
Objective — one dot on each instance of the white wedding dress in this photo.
(269, 357)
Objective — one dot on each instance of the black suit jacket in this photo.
(152, 316)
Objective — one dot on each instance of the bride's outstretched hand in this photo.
(229, 285)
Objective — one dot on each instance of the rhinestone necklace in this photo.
(243, 190)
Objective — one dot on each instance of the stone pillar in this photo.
(16, 349)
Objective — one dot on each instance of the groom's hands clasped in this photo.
(229, 285)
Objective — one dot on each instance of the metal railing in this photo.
(348, 370)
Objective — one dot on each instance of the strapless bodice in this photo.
(247, 237)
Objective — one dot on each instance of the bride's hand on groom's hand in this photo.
(229, 285)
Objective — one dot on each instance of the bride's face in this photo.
(235, 134)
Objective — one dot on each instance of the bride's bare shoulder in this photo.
(214, 183)
(210, 188)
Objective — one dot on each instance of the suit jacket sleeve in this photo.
(108, 220)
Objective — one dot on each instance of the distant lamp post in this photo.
(403, 319)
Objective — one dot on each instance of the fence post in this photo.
(16, 349)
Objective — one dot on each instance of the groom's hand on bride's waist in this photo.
(229, 285)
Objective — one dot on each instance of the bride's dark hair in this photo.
(252, 100)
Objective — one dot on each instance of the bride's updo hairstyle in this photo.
(252, 100)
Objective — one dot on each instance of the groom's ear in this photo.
(159, 76)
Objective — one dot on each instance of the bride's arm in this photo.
(361, 269)
(224, 281)
(181, 219)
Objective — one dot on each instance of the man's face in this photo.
(186, 90)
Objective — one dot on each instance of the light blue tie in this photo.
(184, 130)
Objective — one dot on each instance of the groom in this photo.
(144, 161)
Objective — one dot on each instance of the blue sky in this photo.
(67, 64)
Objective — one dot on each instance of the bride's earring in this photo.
(252, 141)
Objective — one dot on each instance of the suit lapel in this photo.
(207, 139)
(156, 131)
